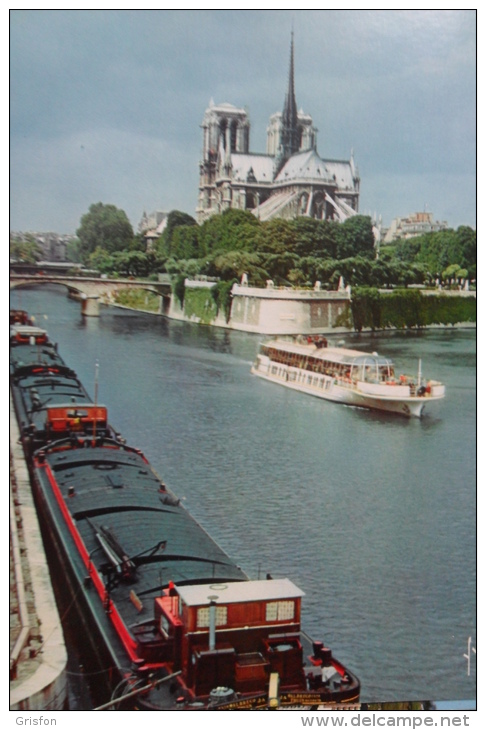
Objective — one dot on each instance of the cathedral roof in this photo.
(342, 173)
(252, 167)
(305, 166)
(309, 166)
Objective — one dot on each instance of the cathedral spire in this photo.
(290, 140)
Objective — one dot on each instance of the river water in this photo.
(373, 516)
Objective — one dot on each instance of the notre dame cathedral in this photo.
(290, 180)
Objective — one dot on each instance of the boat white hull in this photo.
(360, 395)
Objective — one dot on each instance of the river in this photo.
(372, 515)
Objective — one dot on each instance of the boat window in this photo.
(164, 626)
(280, 611)
(203, 616)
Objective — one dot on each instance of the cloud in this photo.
(106, 104)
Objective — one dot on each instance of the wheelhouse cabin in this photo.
(234, 634)
(83, 418)
(27, 334)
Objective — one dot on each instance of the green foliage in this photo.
(185, 242)
(73, 251)
(402, 309)
(101, 260)
(440, 249)
(221, 293)
(355, 237)
(366, 309)
(451, 272)
(345, 318)
(200, 303)
(315, 238)
(179, 289)
(276, 236)
(328, 272)
(448, 309)
(305, 250)
(279, 265)
(167, 243)
(407, 308)
(28, 251)
(106, 227)
(138, 299)
(131, 263)
(233, 230)
(233, 264)
(290, 252)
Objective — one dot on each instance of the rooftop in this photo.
(239, 592)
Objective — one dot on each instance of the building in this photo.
(152, 226)
(416, 224)
(289, 180)
(53, 246)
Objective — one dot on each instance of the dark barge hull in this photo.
(121, 542)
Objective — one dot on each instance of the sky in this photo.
(106, 105)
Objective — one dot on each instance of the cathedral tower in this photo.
(290, 131)
(290, 180)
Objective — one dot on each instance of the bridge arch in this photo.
(93, 291)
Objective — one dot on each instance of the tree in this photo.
(101, 260)
(233, 230)
(106, 227)
(185, 242)
(468, 244)
(279, 265)
(27, 251)
(176, 218)
(328, 272)
(131, 263)
(355, 237)
(233, 264)
(276, 236)
(315, 238)
(451, 272)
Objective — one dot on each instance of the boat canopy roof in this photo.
(27, 330)
(339, 355)
(371, 359)
(239, 592)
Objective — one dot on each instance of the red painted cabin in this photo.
(234, 634)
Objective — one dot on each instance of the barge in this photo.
(342, 375)
(176, 623)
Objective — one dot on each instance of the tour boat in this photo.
(170, 620)
(365, 380)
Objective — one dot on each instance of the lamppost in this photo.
(468, 656)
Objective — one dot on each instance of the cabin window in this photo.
(203, 617)
(164, 626)
(279, 611)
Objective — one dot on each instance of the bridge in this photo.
(92, 291)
